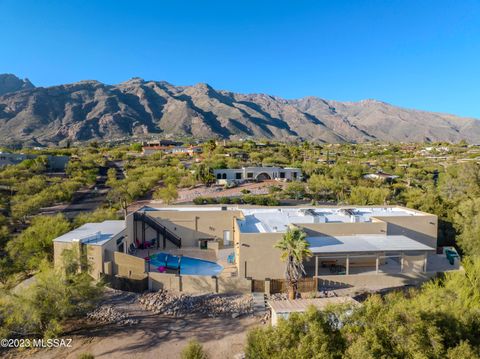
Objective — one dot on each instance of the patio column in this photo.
(425, 256)
(316, 266)
(143, 234)
(401, 262)
(377, 262)
(347, 265)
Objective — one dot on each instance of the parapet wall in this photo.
(374, 281)
(126, 265)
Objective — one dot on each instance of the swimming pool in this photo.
(188, 265)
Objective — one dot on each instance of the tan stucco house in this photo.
(348, 243)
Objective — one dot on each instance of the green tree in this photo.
(137, 147)
(204, 174)
(35, 243)
(99, 215)
(463, 350)
(294, 250)
(167, 194)
(369, 196)
(40, 309)
(320, 185)
(304, 336)
(467, 223)
(125, 192)
(295, 189)
(209, 146)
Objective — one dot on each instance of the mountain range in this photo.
(91, 110)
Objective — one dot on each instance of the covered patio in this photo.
(367, 254)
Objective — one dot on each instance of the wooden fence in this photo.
(258, 286)
(304, 285)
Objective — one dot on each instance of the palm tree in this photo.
(295, 250)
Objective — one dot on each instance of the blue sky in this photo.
(420, 54)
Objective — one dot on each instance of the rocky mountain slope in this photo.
(89, 110)
(11, 83)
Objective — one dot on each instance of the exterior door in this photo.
(226, 238)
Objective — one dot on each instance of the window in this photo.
(224, 176)
(238, 175)
(219, 175)
(249, 174)
(294, 174)
(282, 174)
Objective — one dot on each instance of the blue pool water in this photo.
(188, 265)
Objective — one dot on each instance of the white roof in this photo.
(259, 220)
(277, 219)
(184, 209)
(93, 233)
(257, 169)
(300, 305)
(365, 243)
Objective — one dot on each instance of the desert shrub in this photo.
(194, 350)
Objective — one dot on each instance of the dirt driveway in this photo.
(258, 188)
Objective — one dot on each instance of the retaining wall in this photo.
(198, 284)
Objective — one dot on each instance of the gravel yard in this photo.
(121, 327)
(209, 305)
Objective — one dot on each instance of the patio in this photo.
(387, 265)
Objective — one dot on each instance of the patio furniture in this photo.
(451, 255)
(328, 263)
(132, 249)
(337, 269)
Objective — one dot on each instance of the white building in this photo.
(257, 174)
(380, 176)
(283, 308)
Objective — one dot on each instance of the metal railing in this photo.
(156, 225)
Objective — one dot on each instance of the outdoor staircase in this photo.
(158, 227)
(259, 304)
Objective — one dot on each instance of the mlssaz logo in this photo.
(52, 343)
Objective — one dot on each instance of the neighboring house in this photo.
(163, 143)
(283, 308)
(380, 176)
(243, 174)
(174, 150)
(54, 163)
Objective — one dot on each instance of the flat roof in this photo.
(266, 220)
(93, 233)
(365, 243)
(278, 219)
(266, 168)
(184, 209)
(300, 305)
